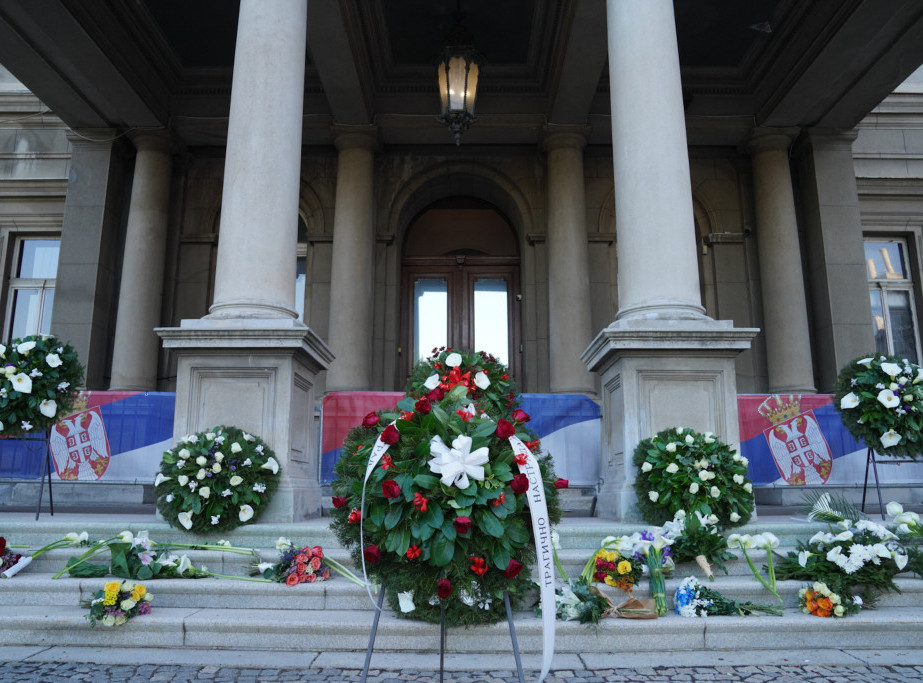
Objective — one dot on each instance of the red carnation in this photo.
(521, 415)
(504, 429)
(443, 588)
(390, 488)
(372, 554)
(512, 570)
(338, 502)
(413, 552)
(600, 576)
(462, 525)
(370, 420)
(436, 394)
(478, 565)
(520, 483)
(354, 516)
(423, 406)
(561, 484)
(390, 436)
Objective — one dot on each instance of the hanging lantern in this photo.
(457, 76)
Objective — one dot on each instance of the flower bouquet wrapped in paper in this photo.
(692, 599)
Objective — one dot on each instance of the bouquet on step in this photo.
(118, 602)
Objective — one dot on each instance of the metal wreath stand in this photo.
(871, 460)
(509, 619)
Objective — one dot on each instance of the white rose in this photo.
(735, 517)
(714, 492)
(671, 447)
(653, 495)
(646, 466)
(182, 480)
(205, 492)
(693, 487)
(200, 475)
(739, 479)
(748, 487)
(689, 439)
(235, 447)
(672, 468)
(216, 468)
(183, 453)
(201, 460)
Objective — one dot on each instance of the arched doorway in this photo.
(460, 282)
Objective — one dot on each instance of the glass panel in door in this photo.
(491, 317)
(430, 315)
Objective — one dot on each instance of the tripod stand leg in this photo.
(368, 654)
(881, 505)
(509, 618)
(48, 467)
(868, 461)
(441, 641)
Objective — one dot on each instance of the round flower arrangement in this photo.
(880, 399)
(682, 469)
(39, 376)
(446, 521)
(216, 480)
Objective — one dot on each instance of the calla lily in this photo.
(271, 464)
(160, 478)
(25, 347)
(888, 398)
(53, 360)
(48, 408)
(803, 557)
(890, 438)
(431, 382)
(22, 383)
(126, 536)
(453, 360)
(481, 380)
(76, 538)
(185, 518)
(770, 541)
(246, 513)
(891, 369)
(283, 544)
(900, 561)
(867, 362)
(850, 400)
(894, 508)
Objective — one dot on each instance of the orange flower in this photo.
(811, 605)
(825, 604)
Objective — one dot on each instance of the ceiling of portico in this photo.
(112, 63)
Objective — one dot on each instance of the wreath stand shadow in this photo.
(870, 459)
(442, 634)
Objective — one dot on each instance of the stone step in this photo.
(331, 631)
(340, 594)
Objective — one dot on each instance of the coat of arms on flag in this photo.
(798, 445)
(79, 445)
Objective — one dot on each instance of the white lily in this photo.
(271, 464)
(245, 514)
(891, 369)
(185, 518)
(890, 438)
(481, 380)
(850, 400)
(453, 360)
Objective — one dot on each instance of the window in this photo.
(31, 287)
(891, 292)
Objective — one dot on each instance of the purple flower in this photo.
(233, 469)
(144, 607)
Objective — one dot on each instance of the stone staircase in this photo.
(335, 616)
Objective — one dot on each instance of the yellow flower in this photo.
(624, 567)
(138, 592)
(112, 586)
(610, 581)
(611, 555)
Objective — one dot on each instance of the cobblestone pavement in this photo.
(45, 672)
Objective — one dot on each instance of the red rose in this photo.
(2, 545)
(521, 415)
(338, 502)
(512, 570)
(443, 588)
(317, 551)
(423, 406)
(561, 484)
(504, 429)
(520, 483)
(462, 525)
(372, 554)
(370, 420)
(390, 488)
(436, 394)
(292, 579)
(413, 552)
(600, 576)
(390, 436)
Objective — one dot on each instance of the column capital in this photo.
(827, 139)
(356, 137)
(154, 140)
(564, 136)
(764, 139)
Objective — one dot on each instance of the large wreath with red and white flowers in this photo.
(446, 522)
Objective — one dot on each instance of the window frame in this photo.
(909, 284)
(11, 244)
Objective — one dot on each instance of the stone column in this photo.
(250, 362)
(785, 313)
(837, 275)
(136, 347)
(352, 261)
(663, 362)
(88, 263)
(262, 169)
(569, 329)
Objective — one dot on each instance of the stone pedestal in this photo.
(657, 374)
(258, 375)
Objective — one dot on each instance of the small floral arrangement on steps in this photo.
(12, 563)
(301, 564)
(819, 601)
(696, 538)
(39, 378)
(765, 541)
(216, 480)
(880, 399)
(692, 599)
(682, 469)
(118, 602)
